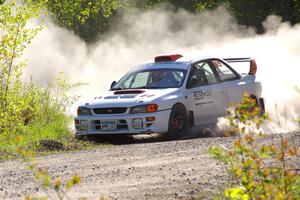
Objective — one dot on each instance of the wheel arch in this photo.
(259, 102)
(180, 104)
(173, 132)
(253, 96)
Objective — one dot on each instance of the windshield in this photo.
(151, 79)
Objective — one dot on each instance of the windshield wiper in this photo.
(143, 87)
(134, 88)
(118, 88)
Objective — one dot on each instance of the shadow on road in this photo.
(126, 139)
(151, 138)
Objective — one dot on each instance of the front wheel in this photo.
(178, 123)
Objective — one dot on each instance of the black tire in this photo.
(259, 103)
(178, 122)
(262, 106)
(212, 130)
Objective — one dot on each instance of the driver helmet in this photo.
(158, 75)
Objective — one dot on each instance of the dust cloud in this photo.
(138, 38)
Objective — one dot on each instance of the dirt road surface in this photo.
(140, 169)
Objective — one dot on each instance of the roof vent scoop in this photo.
(167, 58)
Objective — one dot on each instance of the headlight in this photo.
(84, 111)
(149, 108)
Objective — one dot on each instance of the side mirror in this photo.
(193, 81)
(113, 84)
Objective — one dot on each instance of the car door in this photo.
(230, 82)
(204, 93)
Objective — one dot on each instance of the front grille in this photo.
(116, 110)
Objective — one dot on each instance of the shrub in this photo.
(257, 170)
(27, 109)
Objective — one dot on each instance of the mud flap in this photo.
(262, 106)
(191, 119)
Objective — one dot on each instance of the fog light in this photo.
(149, 124)
(83, 125)
(137, 123)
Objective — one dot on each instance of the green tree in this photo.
(91, 19)
(15, 36)
(86, 18)
(254, 12)
(191, 5)
(27, 108)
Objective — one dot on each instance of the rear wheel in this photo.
(212, 130)
(178, 123)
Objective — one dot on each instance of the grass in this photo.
(44, 139)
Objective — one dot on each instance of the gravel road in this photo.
(141, 169)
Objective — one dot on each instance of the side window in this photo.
(201, 74)
(178, 75)
(224, 72)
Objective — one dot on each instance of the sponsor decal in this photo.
(202, 94)
(147, 95)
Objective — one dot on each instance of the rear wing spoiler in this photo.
(253, 65)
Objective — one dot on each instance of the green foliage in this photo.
(236, 194)
(15, 36)
(253, 12)
(42, 115)
(258, 170)
(211, 4)
(190, 5)
(86, 18)
(91, 19)
(27, 109)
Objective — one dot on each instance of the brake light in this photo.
(253, 67)
(152, 108)
(167, 58)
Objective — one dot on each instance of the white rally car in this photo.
(168, 96)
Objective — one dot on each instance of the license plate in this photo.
(108, 126)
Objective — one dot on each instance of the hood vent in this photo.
(128, 96)
(129, 92)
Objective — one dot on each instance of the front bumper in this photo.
(91, 124)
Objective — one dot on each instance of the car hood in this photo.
(129, 98)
